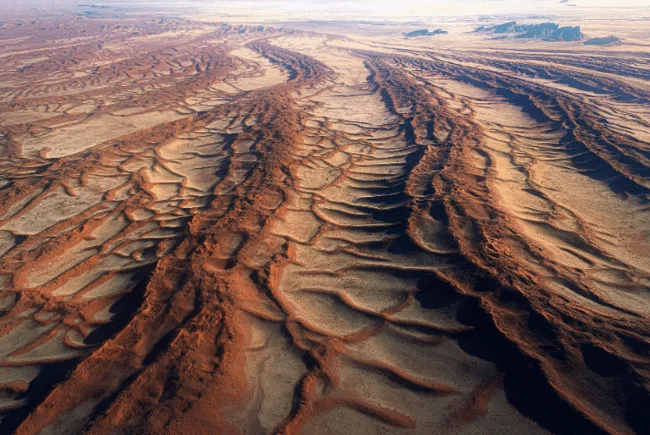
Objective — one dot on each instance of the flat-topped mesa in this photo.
(545, 31)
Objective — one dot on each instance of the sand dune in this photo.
(215, 228)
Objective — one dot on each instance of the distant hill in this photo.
(607, 40)
(425, 32)
(545, 31)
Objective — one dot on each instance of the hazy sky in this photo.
(405, 8)
(353, 9)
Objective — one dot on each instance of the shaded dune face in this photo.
(217, 229)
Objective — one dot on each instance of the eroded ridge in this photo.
(209, 228)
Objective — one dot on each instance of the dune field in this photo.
(212, 228)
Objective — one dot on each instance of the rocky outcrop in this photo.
(607, 40)
(425, 32)
(546, 31)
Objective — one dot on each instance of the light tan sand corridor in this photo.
(324, 228)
